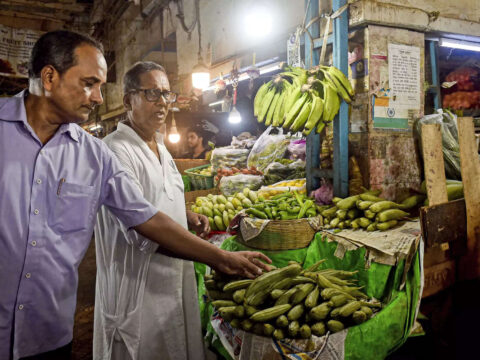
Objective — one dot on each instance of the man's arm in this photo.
(175, 240)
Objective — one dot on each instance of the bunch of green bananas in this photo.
(302, 100)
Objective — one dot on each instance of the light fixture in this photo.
(200, 72)
(95, 127)
(234, 117)
(258, 22)
(173, 136)
(459, 44)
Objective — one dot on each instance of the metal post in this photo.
(313, 140)
(435, 75)
(340, 124)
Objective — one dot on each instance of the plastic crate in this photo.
(200, 182)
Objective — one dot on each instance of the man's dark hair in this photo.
(57, 48)
(131, 79)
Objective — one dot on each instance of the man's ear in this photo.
(48, 76)
(126, 102)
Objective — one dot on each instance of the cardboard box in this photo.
(185, 164)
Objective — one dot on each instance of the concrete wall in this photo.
(224, 37)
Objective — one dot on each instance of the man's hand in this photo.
(198, 223)
(243, 263)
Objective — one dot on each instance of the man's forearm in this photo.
(177, 241)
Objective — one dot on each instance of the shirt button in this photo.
(39, 181)
(20, 307)
(34, 243)
(28, 275)
(36, 211)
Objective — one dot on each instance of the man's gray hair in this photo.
(131, 79)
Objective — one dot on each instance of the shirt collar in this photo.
(13, 109)
(127, 130)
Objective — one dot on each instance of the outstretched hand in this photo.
(243, 263)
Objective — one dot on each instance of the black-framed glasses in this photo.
(154, 95)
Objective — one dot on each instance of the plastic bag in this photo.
(228, 157)
(297, 149)
(284, 169)
(298, 185)
(450, 147)
(243, 141)
(230, 185)
(267, 149)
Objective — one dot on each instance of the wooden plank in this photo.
(433, 164)
(470, 166)
(438, 277)
(445, 225)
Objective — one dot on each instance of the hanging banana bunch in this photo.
(302, 101)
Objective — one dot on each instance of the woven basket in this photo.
(280, 235)
(200, 182)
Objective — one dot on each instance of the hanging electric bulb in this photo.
(173, 136)
(234, 117)
(200, 72)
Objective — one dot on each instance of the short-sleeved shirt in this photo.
(49, 197)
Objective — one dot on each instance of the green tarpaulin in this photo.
(374, 339)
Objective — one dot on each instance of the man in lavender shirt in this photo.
(53, 179)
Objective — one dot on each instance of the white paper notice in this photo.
(404, 75)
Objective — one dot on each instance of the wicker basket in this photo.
(200, 182)
(280, 234)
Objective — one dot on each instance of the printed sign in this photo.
(15, 48)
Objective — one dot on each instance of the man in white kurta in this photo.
(146, 304)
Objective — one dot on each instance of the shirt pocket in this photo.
(73, 207)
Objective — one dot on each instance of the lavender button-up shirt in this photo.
(49, 196)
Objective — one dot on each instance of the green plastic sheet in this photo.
(374, 339)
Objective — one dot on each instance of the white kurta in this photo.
(146, 304)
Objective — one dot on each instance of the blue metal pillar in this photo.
(340, 124)
(435, 76)
(313, 140)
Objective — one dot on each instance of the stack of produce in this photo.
(454, 190)
(301, 100)
(288, 205)
(464, 97)
(367, 211)
(298, 185)
(284, 169)
(207, 171)
(220, 210)
(234, 171)
(291, 302)
(326, 152)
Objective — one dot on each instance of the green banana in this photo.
(278, 114)
(342, 78)
(320, 127)
(271, 109)
(292, 114)
(267, 100)
(337, 86)
(315, 115)
(302, 116)
(295, 94)
(331, 102)
(259, 97)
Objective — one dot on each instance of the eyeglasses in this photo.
(154, 95)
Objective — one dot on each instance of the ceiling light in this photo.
(200, 75)
(459, 44)
(258, 23)
(234, 117)
(173, 136)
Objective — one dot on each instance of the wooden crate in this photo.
(185, 164)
